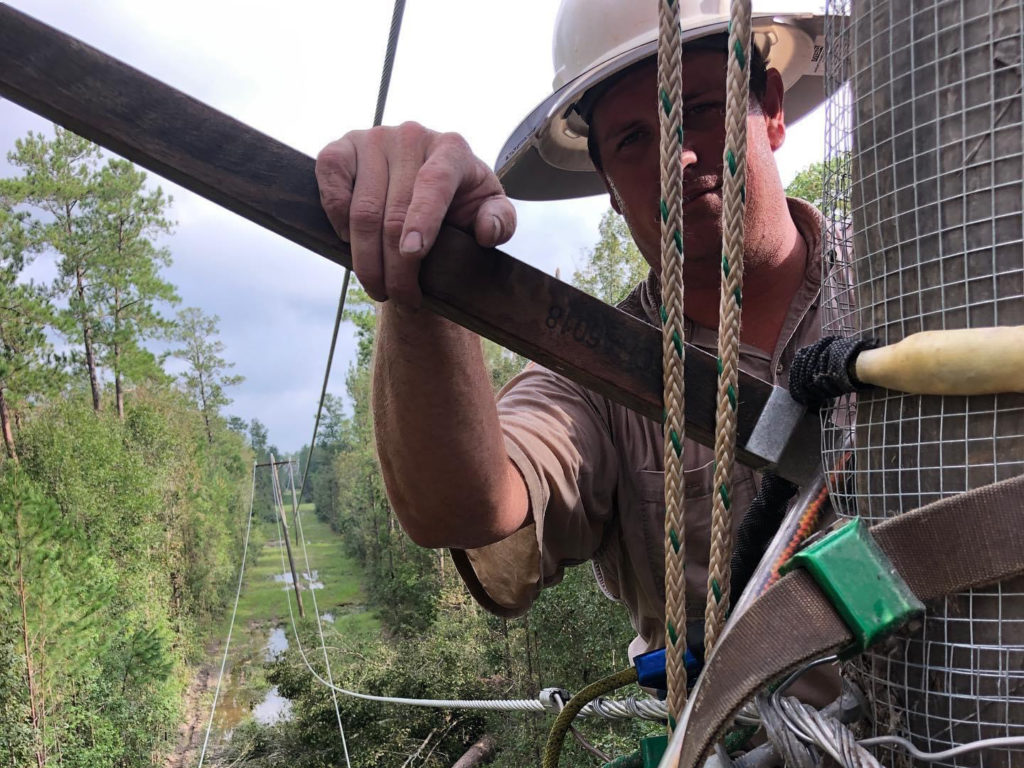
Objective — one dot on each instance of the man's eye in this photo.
(630, 138)
(700, 109)
(712, 110)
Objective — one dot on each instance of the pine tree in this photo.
(615, 265)
(25, 311)
(129, 218)
(52, 595)
(205, 377)
(59, 177)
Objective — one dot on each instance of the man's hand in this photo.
(388, 190)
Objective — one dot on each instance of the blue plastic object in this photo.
(650, 669)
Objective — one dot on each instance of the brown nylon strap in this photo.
(957, 543)
(949, 546)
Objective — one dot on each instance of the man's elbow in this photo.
(463, 520)
(462, 528)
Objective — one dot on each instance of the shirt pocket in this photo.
(651, 497)
(698, 482)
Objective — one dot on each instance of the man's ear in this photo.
(771, 107)
(613, 198)
(613, 195)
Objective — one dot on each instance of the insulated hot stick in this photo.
(970, 361)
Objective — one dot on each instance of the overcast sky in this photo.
(305, 72)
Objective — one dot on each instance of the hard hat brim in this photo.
(544, 159)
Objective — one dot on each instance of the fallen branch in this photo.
(481, 753)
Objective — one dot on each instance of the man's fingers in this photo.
(407, 148)
(366, 213)
(495, 222)
(443, 172)
(335, 175)
(388, 190)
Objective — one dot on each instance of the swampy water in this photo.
(262, 629)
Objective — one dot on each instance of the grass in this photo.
(262, 607)
(263, 598)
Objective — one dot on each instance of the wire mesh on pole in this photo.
(924, 193)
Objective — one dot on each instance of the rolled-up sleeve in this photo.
(557, 436)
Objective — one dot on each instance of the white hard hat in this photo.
(546, 157)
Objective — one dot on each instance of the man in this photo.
(553, 475)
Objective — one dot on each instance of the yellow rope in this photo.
(556, 737)
(733, 195)
(670, 95)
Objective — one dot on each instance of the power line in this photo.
(389, 60)
(312, 592)
(234, 612)
(378, 118)
(646, 708)
(327, 378)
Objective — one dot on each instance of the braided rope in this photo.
(733, 195)
(556, 737)
(670, 98)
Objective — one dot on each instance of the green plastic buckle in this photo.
(861, 583)
(652, 748)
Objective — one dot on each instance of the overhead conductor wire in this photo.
(647, 709)
(378, 117)
(231, 626)
(279, 500)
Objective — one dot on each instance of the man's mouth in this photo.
(693, 194)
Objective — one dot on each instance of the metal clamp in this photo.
(861, 583)
(553, 699)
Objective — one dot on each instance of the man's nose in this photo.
(688, 157)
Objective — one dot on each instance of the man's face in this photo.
(627, 135)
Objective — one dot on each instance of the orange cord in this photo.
(808, 522)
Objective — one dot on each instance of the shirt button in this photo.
(778, 368)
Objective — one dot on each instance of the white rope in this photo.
(670, 87)
(312, 593)
(231, 626)
(734, 162)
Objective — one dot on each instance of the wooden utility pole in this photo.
(295, 502)
(279, 503)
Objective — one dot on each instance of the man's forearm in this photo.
(441, 448)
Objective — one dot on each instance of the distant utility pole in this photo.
(279, 503)
(295, 501)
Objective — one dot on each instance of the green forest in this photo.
(124, 499)
(125, 493)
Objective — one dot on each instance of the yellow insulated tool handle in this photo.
(971, 361)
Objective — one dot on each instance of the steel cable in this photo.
(279, 500)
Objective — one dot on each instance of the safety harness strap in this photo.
(949, 546)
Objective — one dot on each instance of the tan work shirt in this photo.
(594, 473)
